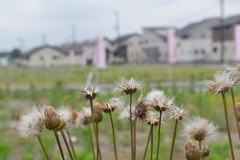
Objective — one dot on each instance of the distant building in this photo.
(228, 28)
(46, 56)
(154, 44)
(4, 59)
(127, 49)
(195, 41)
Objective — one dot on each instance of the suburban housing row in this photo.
(196, 42)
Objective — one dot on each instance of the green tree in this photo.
(15, 53)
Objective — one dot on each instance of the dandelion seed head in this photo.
(113, 104)
(84, 117)
(192, 151)
(221, 82)
(67, 115)
(90, 92)
(141, 110)
(30, 123)
(125, 114)
(177, 113)
(129, 86)
(200, 129)
(152, 118)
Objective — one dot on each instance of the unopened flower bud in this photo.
(192, 151)
(97, 111)
(238, 110)
(52, 119)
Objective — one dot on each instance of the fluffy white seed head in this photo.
(177, 113)
(67, 115)
(221, 82)
(113, 104)
(30, 123)
(200, 129)
(128, 86)
(84, 117)
(153, 118)
(90, 91)
(125, 114)
(159, 101)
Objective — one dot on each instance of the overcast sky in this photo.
(24, 22)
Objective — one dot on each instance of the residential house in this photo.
(154, 44)
(127, 49)
(194, 41)
(228, 30)
(46, 56)
(4, 59)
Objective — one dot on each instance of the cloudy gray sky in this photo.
(24, 22)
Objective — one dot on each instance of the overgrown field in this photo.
(12, 147)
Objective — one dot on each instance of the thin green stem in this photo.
(98, 148)
(227, 124)
(94, 128)
(159, 134)
(134, 137)
(65, 141)
(44, 150)
(71, 144)
(114, 138)
(90, 134)
(59, 144)
(131, 126)
(151, 145)
(149, 136)
(235, 112)
(174, 137)
(200, 145)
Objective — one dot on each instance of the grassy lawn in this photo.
(20, 77)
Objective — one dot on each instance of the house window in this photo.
(215, 49)
(27, 58)
(196, 51)
(54, 57)
(203, 51)
(41, 57)
(203, 35)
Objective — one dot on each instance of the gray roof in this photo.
(160, 31)
(41, 47)
(188, 28)
(124, 37)
(230, 21)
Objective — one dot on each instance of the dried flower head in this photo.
(176, 113)
(113, 104)
(30, 123)
(221, 82)
(52, 119)
(153, 118)
(238, 110)
(141, 110)
(200, 129)
(84, 117)
(129, 86)
(192, 151)
(158, 100)
(125, 114)
(97, 111)
(90, 92)
(67, 115)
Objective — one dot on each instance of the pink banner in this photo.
(172, 47)
(237, 42)
(72, 57)
(100, 58)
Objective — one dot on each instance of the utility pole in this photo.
(21, 44)
(222, 31)
(73, 28)
(117, 24)
(44, 39)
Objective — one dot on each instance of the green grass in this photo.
(20, 77)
